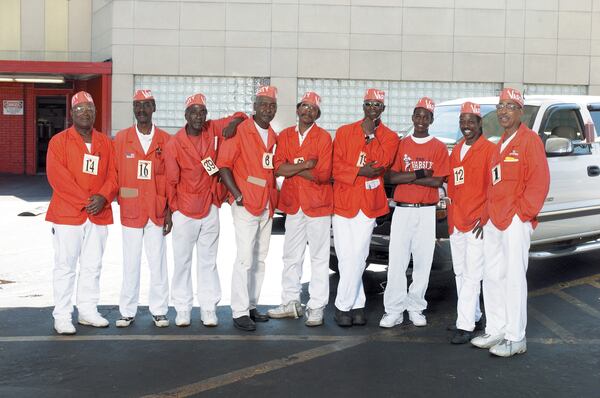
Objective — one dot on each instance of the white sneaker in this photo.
(160, 321)
(391, 320)
(507, 348)
(209, 318)
(95, 319)
(314, 316)
(417, 318)
(183, 318)
(487, 340)
(64, 326)
(293, 309)
(124, 321)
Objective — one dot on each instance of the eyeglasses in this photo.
(308, 106)
(374, 104)
(507, 106)
(82, 108)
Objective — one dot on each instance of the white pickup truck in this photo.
(570, 219)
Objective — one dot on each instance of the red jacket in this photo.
(190, 189)
(141, 199)
(468, 183)
(411, 156)
(315, 197)
(352, 192)
(524, 179)
(243, 155)
(71, 186)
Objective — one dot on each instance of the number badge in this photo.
(209, 165)
(299, 160)
(144, 170)
(267, 160)
(362, 159)
(459, 175)
(90, 164)
(496, 174)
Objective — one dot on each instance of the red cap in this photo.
(196, 99)
(511, 94)
(470, 107)
(267, 91)
(143, 95)
(373, 94)
(310, 97)
(426, 103)
(81, 97)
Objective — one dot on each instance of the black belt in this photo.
(400, 204)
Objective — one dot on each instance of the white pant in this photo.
(203, 234)
(412, 231)
(155, 247)
(252, 238)
(504, 278)
(300, 229)
(467, 261)
(85, 243)
(352, 238)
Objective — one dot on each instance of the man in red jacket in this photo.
(362, 152)
(419, 170)
(467, 189)
(520, 182)
(246, 166)
(81, 171)
(145, 216)
(303, 157)
(193, 196)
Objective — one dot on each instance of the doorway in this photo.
(51, 114)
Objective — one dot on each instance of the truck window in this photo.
(596, 119)
(566, 123)
(492, 129)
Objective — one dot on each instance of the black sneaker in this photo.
(358, 316)
(343, 318)
(461, 337)
(258, 316)
(244, 323)
(160, 321)
(124, 321)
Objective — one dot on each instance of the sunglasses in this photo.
(374, 104)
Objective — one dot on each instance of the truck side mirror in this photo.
(558, 146)
(589, 132)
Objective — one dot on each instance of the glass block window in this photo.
(342, 99)
(224, 95)
(555, 89)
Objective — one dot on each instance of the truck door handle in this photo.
(593, 171)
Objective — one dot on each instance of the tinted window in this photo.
(596, 119)
(445, 125)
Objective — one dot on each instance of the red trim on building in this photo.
(18, 154)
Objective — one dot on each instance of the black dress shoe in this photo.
(461, 337)
(258, 316)
(343, 318)
(244, 323)
(451, 327)
(358, 316)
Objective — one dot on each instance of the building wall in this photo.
(513, 42)
(17, 133)
(46, 30)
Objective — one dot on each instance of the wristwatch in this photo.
(237, 199)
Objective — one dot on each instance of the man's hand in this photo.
(231, 128)
(478, 230)
(309, 164)
(240, 202)
(369, 171)
(168, 226)
(97, 203)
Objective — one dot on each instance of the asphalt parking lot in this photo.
(285, 358)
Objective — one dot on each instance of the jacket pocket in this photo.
(129, 207)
